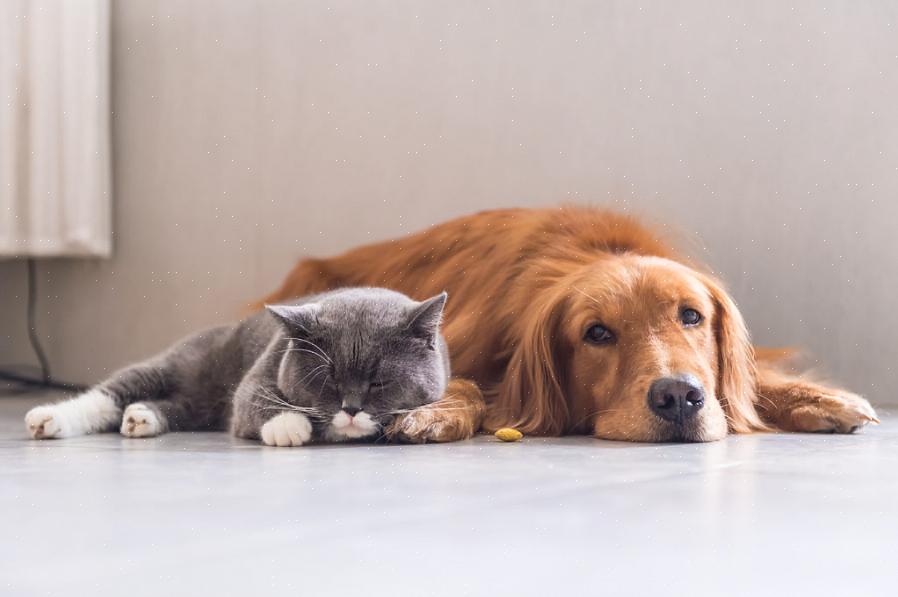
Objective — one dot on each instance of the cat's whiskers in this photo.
(405, 411)
(280, 404)
(311, 380)
(321, 389)
(320, 350)
(270, 396)
(309, 374)
(311, 352)
(311, 414)
(308, 412)
(442, 405)
(313, 345)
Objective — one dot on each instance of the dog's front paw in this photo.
(831, 412)
(429, 424)
(46, 422)
(454, 417)
(287, 430)
(139, 420)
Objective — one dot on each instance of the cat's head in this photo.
(360, 356)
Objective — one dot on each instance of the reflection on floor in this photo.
(207, 514)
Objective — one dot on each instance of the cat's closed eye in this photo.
(379, 385)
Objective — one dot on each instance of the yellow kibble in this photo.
(507, 434)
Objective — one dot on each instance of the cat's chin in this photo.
(345, 428)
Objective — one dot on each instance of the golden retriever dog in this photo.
(577, 320)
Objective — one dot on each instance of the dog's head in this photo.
(632, 348)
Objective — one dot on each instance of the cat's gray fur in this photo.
(358, 348)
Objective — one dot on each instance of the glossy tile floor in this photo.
(205, 514)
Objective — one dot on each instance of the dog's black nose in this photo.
(351, 410)
(676, 398)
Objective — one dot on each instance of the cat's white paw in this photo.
(139, 420)
(92, 411)
(47, 422)
(287, 430)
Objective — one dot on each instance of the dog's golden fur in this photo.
(524, 285)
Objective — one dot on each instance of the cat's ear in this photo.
(424, 318)
(295, 317)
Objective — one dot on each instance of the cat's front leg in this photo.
(262, 412)
(92, 411)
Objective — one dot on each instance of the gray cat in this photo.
(335, 366)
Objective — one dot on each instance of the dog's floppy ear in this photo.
(736, 372)
(530, 397)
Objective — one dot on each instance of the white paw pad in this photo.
(138, 420)
(46, 422)
(287, 430)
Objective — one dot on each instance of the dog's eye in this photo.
(599, 334)
(690, 317)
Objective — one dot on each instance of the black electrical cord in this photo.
(32, 328)
(45, 381)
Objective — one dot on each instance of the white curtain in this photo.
(55, 180)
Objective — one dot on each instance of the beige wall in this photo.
(247, 134)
